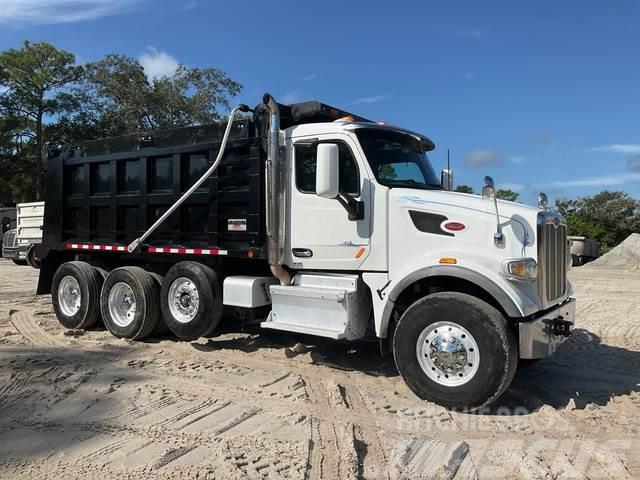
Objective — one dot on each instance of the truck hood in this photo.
(518, 221)
(465, 201)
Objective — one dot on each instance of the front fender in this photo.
(517, 302)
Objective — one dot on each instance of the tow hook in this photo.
(559, 326)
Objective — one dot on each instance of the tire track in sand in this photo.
(26, 325)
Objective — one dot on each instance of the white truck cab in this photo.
(441, 270)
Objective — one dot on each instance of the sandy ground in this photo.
(244, 405)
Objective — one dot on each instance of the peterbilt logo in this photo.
(556, 222)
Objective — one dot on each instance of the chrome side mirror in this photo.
(489, 192)
(489, 188)
(446, 179)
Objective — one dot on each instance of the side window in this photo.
(306, 170)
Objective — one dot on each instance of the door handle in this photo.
(302, 252)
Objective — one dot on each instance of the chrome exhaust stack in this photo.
(276, 194)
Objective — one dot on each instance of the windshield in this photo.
(397, 159)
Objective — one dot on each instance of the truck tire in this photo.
(191, 300)
(75, 294)
(576, 261)
(455, 350)
(129, 303)
(32, 258)
(161, 327)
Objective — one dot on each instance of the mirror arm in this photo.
(354, 208)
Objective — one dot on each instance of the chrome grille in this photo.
(9, 239)
(552, 257)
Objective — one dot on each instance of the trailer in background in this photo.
(583, 250)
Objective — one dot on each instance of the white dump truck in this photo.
(583, 250)
(18, 244)
(307, 219)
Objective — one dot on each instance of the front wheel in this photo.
(455, 350)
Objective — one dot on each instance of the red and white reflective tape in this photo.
(122, 248)
(90, 246)
(187, 251)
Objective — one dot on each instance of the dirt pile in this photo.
(625, 256)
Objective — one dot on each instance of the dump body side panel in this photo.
(107, 194)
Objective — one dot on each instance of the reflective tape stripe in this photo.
(90, 246)
(170, 250)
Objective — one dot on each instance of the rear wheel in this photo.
(191, 300)
(129, 303)
(75, 294)
(455, 350)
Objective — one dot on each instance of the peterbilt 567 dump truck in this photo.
(307, 219)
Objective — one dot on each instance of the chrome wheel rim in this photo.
(122, 304)
(448, 354)
(69, 296)
(183, 300)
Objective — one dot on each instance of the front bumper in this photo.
(14, 253)
(541, 337)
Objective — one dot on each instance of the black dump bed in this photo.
(108, 192)
(103, 194)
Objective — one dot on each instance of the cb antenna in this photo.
(450, 179)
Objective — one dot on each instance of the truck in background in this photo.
(18, 244)
(7, 218)
(583, 250)
(305, 218)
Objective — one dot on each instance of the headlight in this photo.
(522, 269)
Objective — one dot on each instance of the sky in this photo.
(543, 96)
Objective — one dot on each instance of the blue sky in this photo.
(542, 95)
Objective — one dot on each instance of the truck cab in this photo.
(345, 232)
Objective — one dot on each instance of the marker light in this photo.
(449, 260)
(454, 226)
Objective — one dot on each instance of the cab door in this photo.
(322, 236)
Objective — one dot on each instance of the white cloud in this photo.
(373, 99)
(483, 156)
(603, 181)
(516, 187)
(544, 137)
(158, 64)
(517, 159)
(40, 12)
(309, 77)
(190, 5)
(628, 148)
(292, 97)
